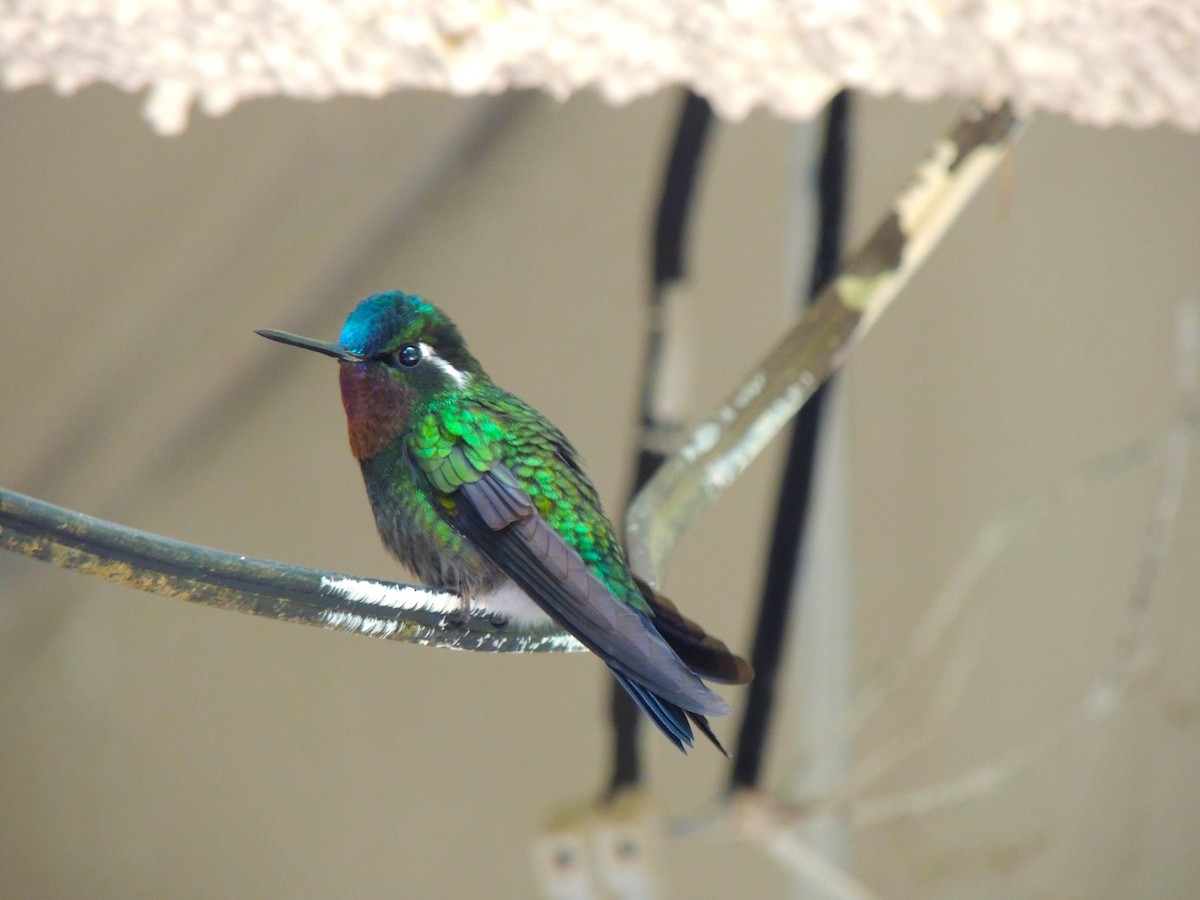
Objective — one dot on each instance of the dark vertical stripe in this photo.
(670, 236)
(791, 513)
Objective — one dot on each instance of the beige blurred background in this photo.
(152, 749)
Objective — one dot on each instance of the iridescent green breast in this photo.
(413, 526)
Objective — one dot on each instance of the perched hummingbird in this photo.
(477, 493)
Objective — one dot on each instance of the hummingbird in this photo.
(476, 492)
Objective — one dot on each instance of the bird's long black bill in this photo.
(337, 351)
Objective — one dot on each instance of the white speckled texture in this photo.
(1104, 62)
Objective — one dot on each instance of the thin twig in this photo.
(1109, 685)
(758, 818)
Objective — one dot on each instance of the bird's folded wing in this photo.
(499, 517)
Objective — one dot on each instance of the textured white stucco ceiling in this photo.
(1134, 62)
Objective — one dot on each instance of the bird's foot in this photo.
(460, 618)
(468, 611)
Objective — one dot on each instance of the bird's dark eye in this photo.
(408, 355)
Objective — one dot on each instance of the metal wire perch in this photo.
(274, 590)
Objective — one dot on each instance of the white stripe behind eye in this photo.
(459, 377)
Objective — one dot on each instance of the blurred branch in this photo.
(755, 816)
(720, 449)
(1109, 685)
(1106, 689)
(771, 822)
(274, 590)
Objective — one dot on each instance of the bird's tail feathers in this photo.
(671, 719)
(704, 654)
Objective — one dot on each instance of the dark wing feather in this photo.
(499, 517)
(704, 654)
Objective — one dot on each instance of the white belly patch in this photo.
(513, 604)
